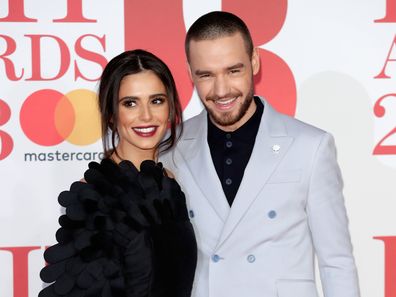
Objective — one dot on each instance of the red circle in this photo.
(37, 117)
(5, 112)
(6, 145)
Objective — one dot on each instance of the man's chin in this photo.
(224, 119)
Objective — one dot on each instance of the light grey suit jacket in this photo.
(289, 206)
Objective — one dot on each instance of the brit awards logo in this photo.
(65, 59)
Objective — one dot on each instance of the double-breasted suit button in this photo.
(215, 258)
(228, 144)
(251, 258)
(272, 214)
(191, 213)
(228, 181)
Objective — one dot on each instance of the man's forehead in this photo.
(216, 56)
(235, 37)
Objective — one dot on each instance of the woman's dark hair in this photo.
(133, 62)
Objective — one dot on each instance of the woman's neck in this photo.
(135, 156)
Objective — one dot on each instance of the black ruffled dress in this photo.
(125, 233)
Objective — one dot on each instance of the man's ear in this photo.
(255, 61)
(189, 70)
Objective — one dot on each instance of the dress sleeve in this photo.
(102, 221)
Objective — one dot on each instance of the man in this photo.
(264, 190)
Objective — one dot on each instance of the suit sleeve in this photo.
(329, 224)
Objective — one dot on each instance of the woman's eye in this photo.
(129, 103)
(158, 100)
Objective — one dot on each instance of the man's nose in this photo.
(221, 86)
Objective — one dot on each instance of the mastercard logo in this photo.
(49, 117)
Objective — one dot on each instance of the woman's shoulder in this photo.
(105, 178)
(169, 173)
(108, 172)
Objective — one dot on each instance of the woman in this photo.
(126, 231)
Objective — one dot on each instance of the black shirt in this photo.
(231, 150)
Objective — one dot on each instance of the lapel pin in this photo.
(276, 148)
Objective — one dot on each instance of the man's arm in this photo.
(329, 224)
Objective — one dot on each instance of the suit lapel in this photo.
(270, 147)
(196, 154)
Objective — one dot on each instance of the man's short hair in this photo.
(217, 24)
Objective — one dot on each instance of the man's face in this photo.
(222, 72)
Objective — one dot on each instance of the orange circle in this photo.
(86, 124)
(64, 117)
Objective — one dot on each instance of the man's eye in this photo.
(235, 71)
(204, 76)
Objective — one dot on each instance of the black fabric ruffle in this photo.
(125, 233)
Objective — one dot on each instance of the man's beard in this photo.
(227, 118)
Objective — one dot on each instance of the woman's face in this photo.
(143, 112)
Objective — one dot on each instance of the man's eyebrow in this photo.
(238, 65)
(235, 66)
(201, 72)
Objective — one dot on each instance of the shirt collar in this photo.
(246, 133)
